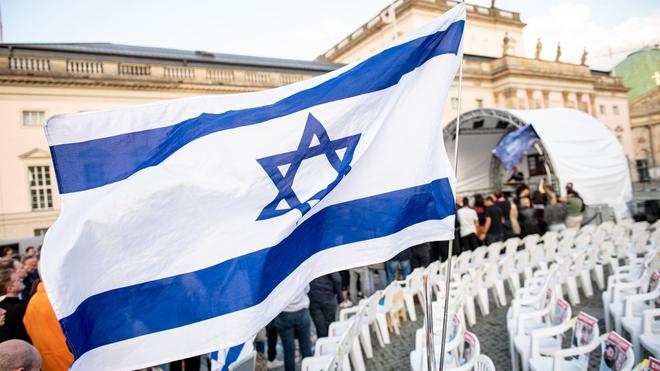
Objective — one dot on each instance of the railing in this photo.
(258, 78)
(29, 64)
(179, 73)
(84, 67)
(219, 75)
(134, 69)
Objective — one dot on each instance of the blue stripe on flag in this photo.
(245, 281)
(94, 163)
(232, 356)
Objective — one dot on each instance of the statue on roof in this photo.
(583, 60)
(505, 44)
(539, 46)
(558, 52)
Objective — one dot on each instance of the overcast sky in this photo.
(303, 29)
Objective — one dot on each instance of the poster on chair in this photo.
(583, 334)
(614, 353)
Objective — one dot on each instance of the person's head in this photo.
(30, 264)
(500, 196)
(489, 200)
(620, 360)
(19, 269)
(5, 280)
(19, 355)
(459, 200)
(466, 202)
(15, 286)
(524, 202)
(522, 190)
(570, 194)
(29, 250)
(6, 263)
(7, 251)
(569, 187)
(478, 200)
(609, 354)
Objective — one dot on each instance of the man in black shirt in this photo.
(494, 227)
(324, 294)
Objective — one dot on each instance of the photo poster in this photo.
(560, 311)
(584, 330)
(469, 345)
(652, 365)
(614, 352)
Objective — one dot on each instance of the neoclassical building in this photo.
(41, 80)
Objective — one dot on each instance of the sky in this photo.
(304, 29)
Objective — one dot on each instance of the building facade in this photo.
(641, 74)
(38, 81)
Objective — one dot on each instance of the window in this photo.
(615, 110)
(41, 192)
(480, 103)
(40, 232)
(601, 109)
(454, 103)
(34, 118)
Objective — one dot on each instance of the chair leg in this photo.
(379, 336)
(470, 311)
(356, 356)
(365, 339)
(499, 287)
(514, 355)
(571, 286)
(482, 298)
(606, 313)
(587, 287)
(410, 306)
(600, 277)
(382, 325)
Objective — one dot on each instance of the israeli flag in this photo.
(187, 225)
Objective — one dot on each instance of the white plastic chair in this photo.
(567, 279)
(557, 360)
(650, 336)
(494, 250)
(556, 317)
(350, 328)
(630, 293)
(632, 319)
(581, 270)
(370, 313)
(412, 286)
(511, 246)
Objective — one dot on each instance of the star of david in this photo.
(283, 179)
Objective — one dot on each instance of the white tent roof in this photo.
(581, 150)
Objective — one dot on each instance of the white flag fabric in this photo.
(187, 225)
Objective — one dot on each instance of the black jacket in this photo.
(14, 328)
(325, 288)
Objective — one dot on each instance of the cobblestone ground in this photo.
(491, 331)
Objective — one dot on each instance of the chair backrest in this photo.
(522, 260)
(506, 266)
(246, 363)
(484, 363)
(568, 233)
(464, 262)
(578, 261)
(479, 256)
(550, 250)
(535, 255)
(582, 241)
(616, 353)
(511, 246)
(494, 250)
(414, 280)
(531, 240)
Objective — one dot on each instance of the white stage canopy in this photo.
(579, 148)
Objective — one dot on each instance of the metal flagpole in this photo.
(451, 242)
(428, 302)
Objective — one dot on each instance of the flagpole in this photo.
(451, 242)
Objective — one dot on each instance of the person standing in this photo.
(358, 275)
(554, 214)
(469, 221)
(420, 255)
(15, 311)
(574, 208)
(528, 221)
(505, 206)
(493, 228)
(324, 294)
(46, 334)
(294, 322)
(402, 261)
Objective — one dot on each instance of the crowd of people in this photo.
(30, 336)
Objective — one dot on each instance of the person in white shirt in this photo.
(294, 321)
(468, 221)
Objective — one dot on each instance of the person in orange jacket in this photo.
(46, 333)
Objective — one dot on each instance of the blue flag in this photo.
(515, 145)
